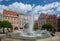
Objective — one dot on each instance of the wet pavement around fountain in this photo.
(57, 34)
(55, 38)
(48, 39)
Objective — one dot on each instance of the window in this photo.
(15, 18)
(8, 18)
(5, 17)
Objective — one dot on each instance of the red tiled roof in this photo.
(7, 12)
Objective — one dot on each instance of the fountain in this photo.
(30, 33)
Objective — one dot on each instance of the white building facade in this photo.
(23, 19)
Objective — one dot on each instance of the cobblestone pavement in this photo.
(55, 38)
(57, 34)
(48, 39)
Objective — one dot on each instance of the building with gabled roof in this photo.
(12, 17)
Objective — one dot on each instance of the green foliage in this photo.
(26, 25)
(0, 24)
(35, 27)
(7, 24)
(48, 26)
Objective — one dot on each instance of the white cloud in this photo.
(20, 7)
(58, 9)
(48, 8)
(24, 8)
(49, 11)
(2, 7)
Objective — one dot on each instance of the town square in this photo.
(29, 20)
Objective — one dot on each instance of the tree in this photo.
(6, 24)
(35, 27)
(48, 26)
(0, 24)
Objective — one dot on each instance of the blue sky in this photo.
(36, 2)
(31, 6)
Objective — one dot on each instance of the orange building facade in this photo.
(12, 17)
(46, 18)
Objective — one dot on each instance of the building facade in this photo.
(42, 20)
(58, 23)
(1, 16)
(23, 19)
(46, 18)
(12, 17)
(53, 20)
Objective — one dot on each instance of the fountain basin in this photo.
(34, 37)
(55, 38)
